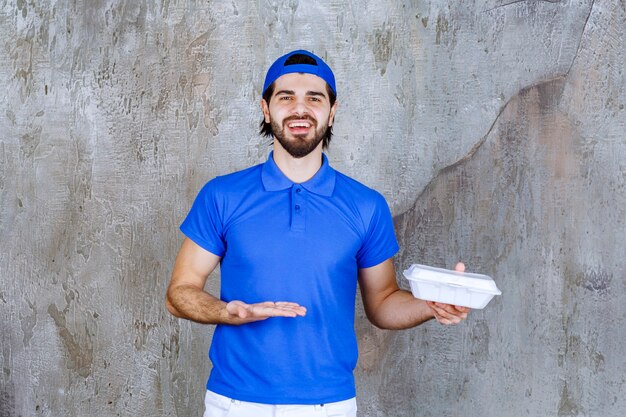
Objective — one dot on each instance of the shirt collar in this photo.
(322, 183)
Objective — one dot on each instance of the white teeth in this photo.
(299, 125)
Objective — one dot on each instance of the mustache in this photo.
(303, 117)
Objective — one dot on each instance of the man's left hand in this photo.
(447, 313)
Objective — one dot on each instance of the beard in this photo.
(298, 146)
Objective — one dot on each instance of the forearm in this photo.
(191, 303)
(400, 310)
(389, 307)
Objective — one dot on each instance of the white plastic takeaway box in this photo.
(451, 287)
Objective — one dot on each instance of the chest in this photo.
(302, 226)
(307, 254)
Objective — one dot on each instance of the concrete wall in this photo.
(494, 128)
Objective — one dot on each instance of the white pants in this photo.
(219, 406)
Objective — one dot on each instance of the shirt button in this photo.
(297, 207)
(298, 190)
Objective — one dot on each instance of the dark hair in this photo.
(266, 128)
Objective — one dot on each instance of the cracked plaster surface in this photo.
(115, 114)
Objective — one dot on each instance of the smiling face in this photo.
(299, 112)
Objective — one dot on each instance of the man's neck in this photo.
(298, 170)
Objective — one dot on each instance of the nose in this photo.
(300, 107)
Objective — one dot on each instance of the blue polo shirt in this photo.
(282, 241)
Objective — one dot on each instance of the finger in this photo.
(459, 267)
(450, 308)
(289, 305)
(264, 304)
(454, 311)
(286, 304)
(447, 320)
(277, 304)
(437, 312)
(295, 307)
(299, 310)
(264, 310)
(448, 313)
(272, 311)
(441, 320)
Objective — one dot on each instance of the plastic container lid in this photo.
(451, 287)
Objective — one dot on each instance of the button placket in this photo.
(298, 206)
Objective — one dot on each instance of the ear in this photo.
(266, 110)
(331, 117)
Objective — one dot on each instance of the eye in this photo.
(284, 98)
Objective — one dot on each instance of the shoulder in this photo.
(363, 202)
(234, 182)
(242, 177)
(358, 191)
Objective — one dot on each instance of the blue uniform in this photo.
(282, 241)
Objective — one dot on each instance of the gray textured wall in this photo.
(494, 128)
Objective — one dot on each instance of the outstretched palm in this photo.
(264, 310)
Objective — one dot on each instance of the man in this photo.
(292, 237)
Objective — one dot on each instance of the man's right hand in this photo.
(261, 311)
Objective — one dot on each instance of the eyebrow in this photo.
(308, 93)
(315, 93)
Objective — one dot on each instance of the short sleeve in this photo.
(204, 224)
(380, 241)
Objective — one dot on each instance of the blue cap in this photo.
(279, 69)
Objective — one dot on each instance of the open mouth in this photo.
(299, 126)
